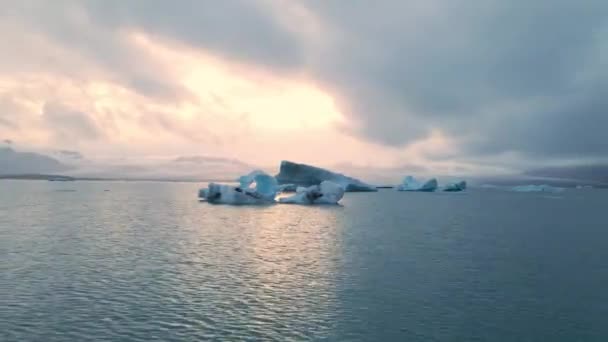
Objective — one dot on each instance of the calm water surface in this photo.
(143, 261)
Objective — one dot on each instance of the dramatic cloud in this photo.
(497, 76)
(462, 84)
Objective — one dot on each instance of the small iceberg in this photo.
(411, 184)
(266, 185)
(256, 187)
(453, 187)
(325, 193)
(228, 194)
(536, 188)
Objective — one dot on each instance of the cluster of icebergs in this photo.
(411, 184)
(259, 187)
(312, 185)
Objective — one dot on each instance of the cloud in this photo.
(494, 76)
(497, 76)
(64, 37)
(9, 113)
(519, 79)
(71, 154)
(6, 123)
(239, 29)
(68, 125)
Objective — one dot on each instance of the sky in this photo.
(446, 86)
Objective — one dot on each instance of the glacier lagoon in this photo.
(145, 261)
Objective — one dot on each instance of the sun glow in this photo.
(229, 89)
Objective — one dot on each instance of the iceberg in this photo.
(411, 184)
(248, 179)
(288, 188)
(307, 176)
(228, 194)
(264, 191)
(452, 187)
(325, 193)
(265, 185)
(536, 188)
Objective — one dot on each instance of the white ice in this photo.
(411, 184)
(265, 185)
(228, 194)
(325, 193)
(256, 187)
(458, 186)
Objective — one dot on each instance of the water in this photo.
(146, 261)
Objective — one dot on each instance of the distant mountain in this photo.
(29, 165)
(39, 177)
(592, 173)
(185, 168)
(13, 162)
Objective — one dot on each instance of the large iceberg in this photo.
(288, 188)
(256, 187)
(453, 187)
(411, 184)
(325, 193)
(307, 175)
(536, 188)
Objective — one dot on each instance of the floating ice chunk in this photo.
(452, 187)
(266, 186)
(307, 175)
(430, 186)
(256, 187)
(228, 194)
(536, 188)
(248, 179)
(411, 184)
(325, 193)
(332, 193)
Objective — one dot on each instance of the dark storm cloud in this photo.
(497, 76)
(239, 29)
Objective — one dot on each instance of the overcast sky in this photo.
(450, 85)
